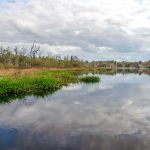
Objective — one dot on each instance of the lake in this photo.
(111, 115)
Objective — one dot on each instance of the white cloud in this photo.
(120, 25)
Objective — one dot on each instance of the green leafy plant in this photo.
(90, 79)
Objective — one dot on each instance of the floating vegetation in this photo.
(90, 79)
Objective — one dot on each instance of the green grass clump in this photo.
(90, 79)
(41, 83)
(28, 85)
(66, 77)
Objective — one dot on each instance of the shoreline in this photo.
(38, 83)
(29, 71)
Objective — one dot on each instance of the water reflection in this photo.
(112, 115)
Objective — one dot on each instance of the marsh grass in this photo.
(65, 77)
(28, 85)
(90, 79)
(39, 83)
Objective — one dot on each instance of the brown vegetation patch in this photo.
(19, 72)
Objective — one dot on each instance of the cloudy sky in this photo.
(90, 29)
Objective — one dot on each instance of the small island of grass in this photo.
(90, 79)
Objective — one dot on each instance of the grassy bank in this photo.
(28, 85)
(39, 83)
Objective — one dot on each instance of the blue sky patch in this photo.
(7, 1)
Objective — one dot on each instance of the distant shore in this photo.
(18, 71)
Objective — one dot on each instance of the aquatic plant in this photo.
(28, 85)
(65, 76)
(39, 83)
(89, 79)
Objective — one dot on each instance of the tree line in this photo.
(23, 58)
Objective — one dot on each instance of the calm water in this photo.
(111, 115)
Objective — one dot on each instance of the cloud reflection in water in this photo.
(111, 114)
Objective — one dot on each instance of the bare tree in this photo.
(34, 50)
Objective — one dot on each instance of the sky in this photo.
(89, 29)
